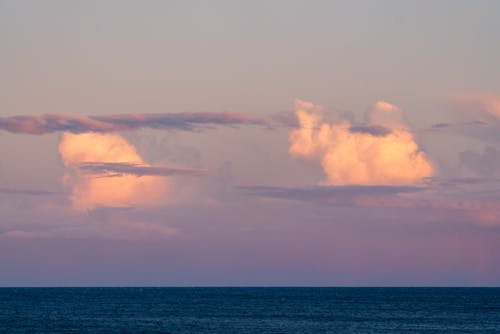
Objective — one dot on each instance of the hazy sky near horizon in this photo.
(249, 143)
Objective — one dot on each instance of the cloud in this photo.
(43, 124)
(475, 115)
(349, 195)
(109, 169)
(474, 199)
(284, 118)
(483, 106)
(374, 130)
(439, 126)
(89, 191)
(382, 152)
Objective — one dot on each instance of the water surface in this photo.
(250, 310)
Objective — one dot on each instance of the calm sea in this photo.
(249, 310)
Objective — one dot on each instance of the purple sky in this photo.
(265, 143)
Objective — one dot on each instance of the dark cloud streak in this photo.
(110, 169)
(327, 193)
(49, 123)
(439, 126)
(197, 121)
(374, 130)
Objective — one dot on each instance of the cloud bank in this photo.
(44, 124)
(382, 152)
(473, 199)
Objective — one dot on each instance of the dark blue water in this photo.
(250, 310)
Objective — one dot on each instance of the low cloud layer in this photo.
(44, 124)
(382, 151)
(474, 199)
(113, 189)
(350, 195)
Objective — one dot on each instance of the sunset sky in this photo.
(250, 143)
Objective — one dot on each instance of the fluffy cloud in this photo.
(383, 151)
(107, 188)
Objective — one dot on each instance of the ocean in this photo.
(249, 310)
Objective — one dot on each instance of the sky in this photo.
(262, 143)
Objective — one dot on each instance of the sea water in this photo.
(249, 310)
